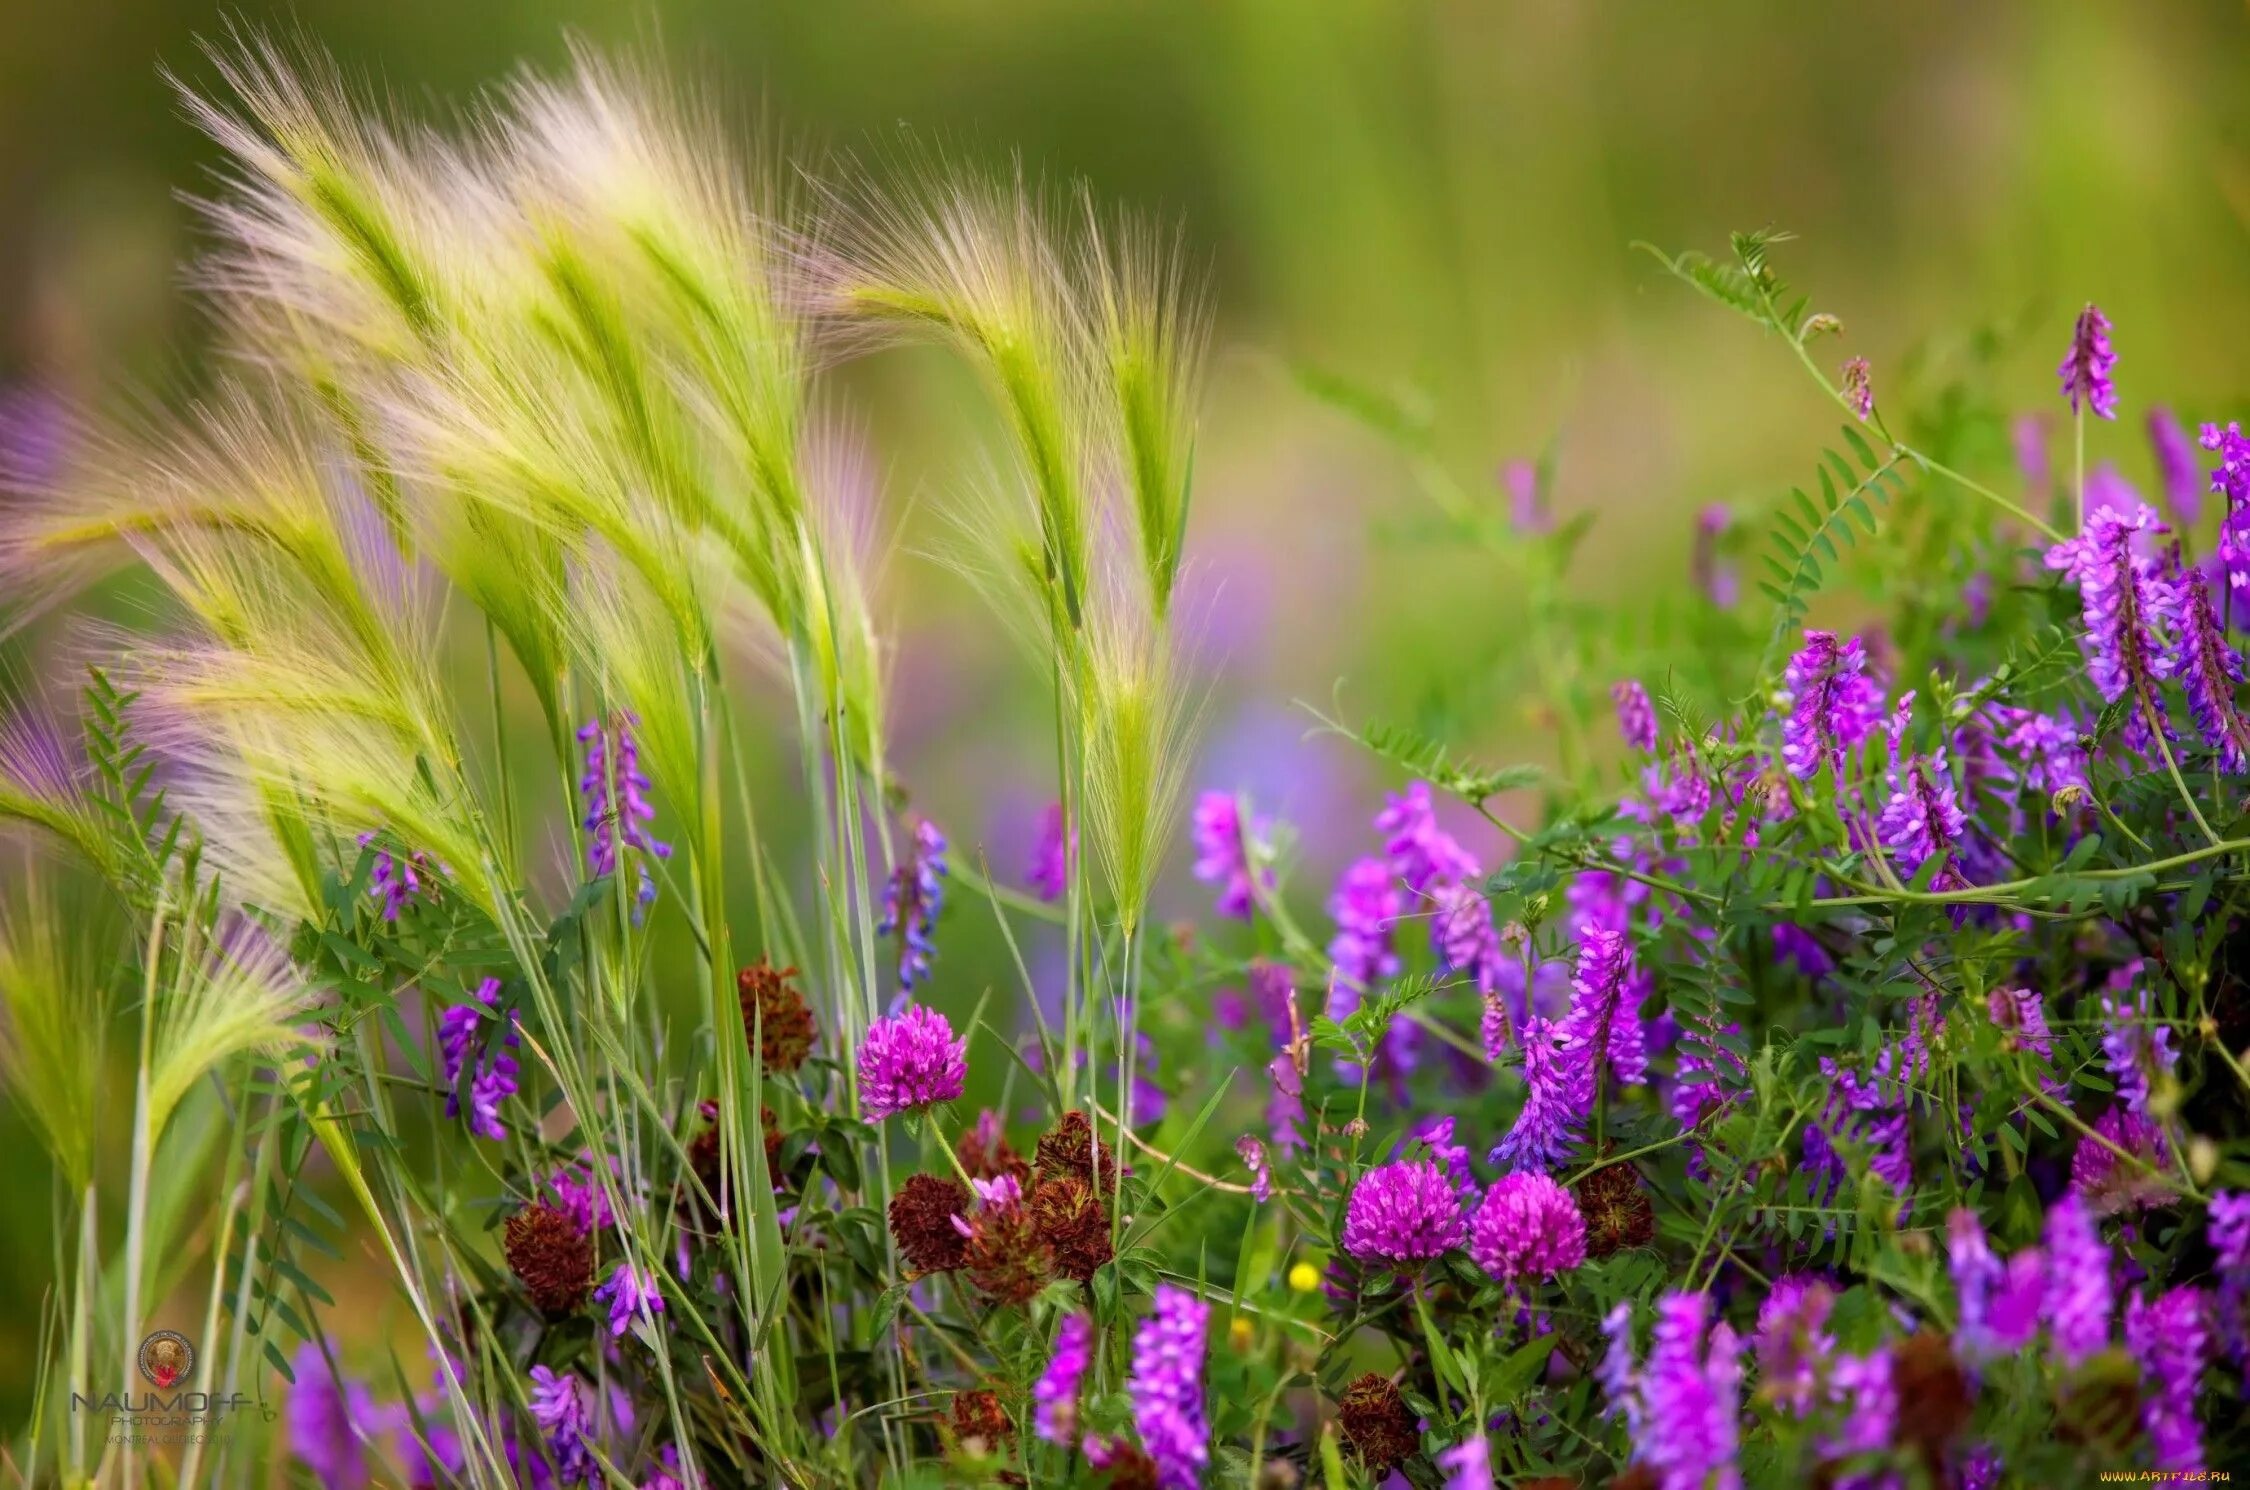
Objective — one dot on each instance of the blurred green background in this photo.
(1437, 198)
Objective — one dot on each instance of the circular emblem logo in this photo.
(166, 1359)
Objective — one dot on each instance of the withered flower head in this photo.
(1130, 1469)
(2099, 1407)
(553, 1256)
(922, 1215)
(1006, 1258)
(1617, 1210)
(703, 1149)
(1933, 1395)
(1377, 1424)
(980, 1422)
(1070, 1148)
(1070, 1218)
(774, 1013)
(986, 1154)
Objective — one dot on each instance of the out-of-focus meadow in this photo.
(1436, 199)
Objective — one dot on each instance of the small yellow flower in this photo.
(1304, 1277)
(1238, 1333)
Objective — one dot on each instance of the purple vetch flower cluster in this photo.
(2169, 1339)
(2136, 1046)
(1367, 906)
(1792, 1344)
(1564, 1061)
(2176, 465)
(1714, 574)
(1421, 853)
(1468, 1464)
(1049, 875)
(1054, 1396)
(626, 1293)
(563, 1409)
(474, 1039)
(2088, 368)
(1863, 1387)
(2125, 599)
(1559, 1089)
(1859, 387)
(395, 880)
(1832, 703)
(1226, 853)
(1403, 1214)
(1682, 1406)
(909, 1062)
(911, 902)
(2230, 482)
(2210, 670)
(618, 810)
(1922, 820)
(1527, 1227)
(2106, 1179)
(1166, 1387)
(1636, 716)
(2230, 1251)
(1527, 498)
(2079, 1294)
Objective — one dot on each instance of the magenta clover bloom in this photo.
(910, 1062)
(1054, 1397)
(1166, 1387)
(468, 1042)
(1528, 1227)
(1403, 1214)
(2087, 368)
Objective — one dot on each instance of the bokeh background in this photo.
(1436, 197)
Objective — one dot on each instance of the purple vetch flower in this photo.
(1251, 1150)
(1166, 1387)
(1468, 1464)
(1049, 875)
(1461, 930)
(1226, 849)
(910, 1061)
(1403, 1214)
(1922, 820)
(2230, 481)
(1561, 1090)
(2169, 1341)
(1793, 1346)
(1054, 1397)
(911, 902)
(1859, 387)
(580, 1192)
(2125, 600)
(1832, 702)
(394, 879)
(1863, 1387)
(1436, 1134)
(1421, 853)
(2176, 465)
(1683, 1407)
(1636, 716)
(666, 1475)
(2230, 1248)
(618, 810)
(1527, 498)
(1528, 1227)
(1367, 906)
(469, 1043)
(561, 1408)
(1714, 575)
(2040, 752)
(2087, 368)
(625, 1293)
(2078, 1299)
(2135, 1045)
(2209, 669)
(325, 1416)
(1980, 1469)
(1604, 1024)
(2020, 1013)
(2027, 436)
